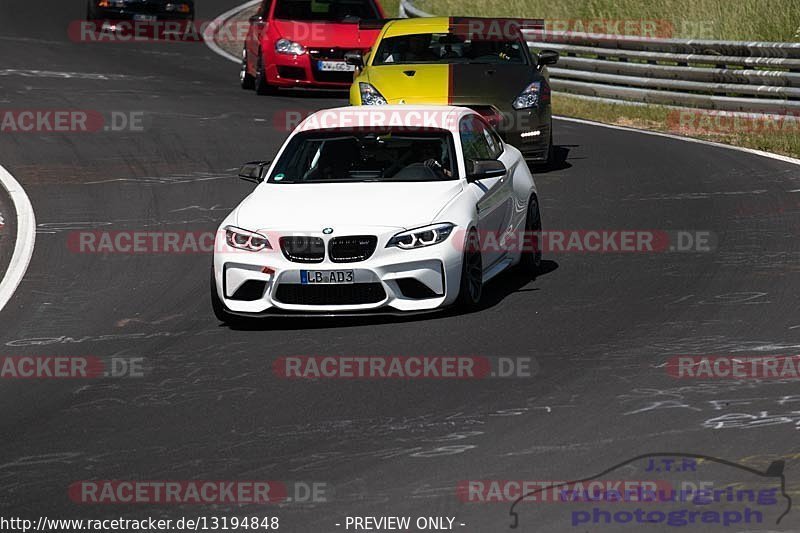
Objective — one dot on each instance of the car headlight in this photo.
(285, 46)
(421, 237)
(246, 240)
(530, 96)
(370, 95)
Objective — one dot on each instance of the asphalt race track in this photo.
(600, 326)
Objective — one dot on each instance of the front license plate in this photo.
(326, 277)
(335, 66)
(144, 18)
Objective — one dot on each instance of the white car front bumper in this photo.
(265, 282)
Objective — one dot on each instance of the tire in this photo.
(471, 286)
(247, 81)
(531, 261)
(262, 86)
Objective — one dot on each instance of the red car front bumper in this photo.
(285, 70)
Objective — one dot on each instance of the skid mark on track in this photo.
(164, 180)
(127, 321)
(215, 207)
(72, 75)
(692, 195)
(52, 228)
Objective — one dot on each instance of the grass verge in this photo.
(769, 135)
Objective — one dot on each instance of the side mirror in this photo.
(256, 19)
(548, 57)
(354, 58)
(478, 169)
(254, 171)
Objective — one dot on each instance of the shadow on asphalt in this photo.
(559, 161)
(332, 94)
(507, 283)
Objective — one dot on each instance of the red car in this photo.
(302, 43)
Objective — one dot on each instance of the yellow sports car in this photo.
(483, 64)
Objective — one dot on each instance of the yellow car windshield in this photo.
(447, 48)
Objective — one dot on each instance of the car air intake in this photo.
(352, 249)
(352, 294)
(250, 291)
(413, 288)
(292, 73)
(303, 249)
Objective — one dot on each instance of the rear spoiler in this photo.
(487, 22)
(523, 24)
(470, 24)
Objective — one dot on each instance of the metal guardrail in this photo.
(739, 76)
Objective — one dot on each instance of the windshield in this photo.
(448, 48)
(373, 156)
(326, 10)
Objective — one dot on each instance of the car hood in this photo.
(310, 207)
(411, 84)
(326, 34)
(455, 84)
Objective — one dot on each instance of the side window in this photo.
(478, 140)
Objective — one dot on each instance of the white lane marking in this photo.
(26, 237)
(211, 30)
(770, 155)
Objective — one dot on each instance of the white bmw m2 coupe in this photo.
(364, 210)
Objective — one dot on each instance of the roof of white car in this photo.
(401, 116)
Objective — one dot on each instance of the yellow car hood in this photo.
(412, 84)
(452, 84)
